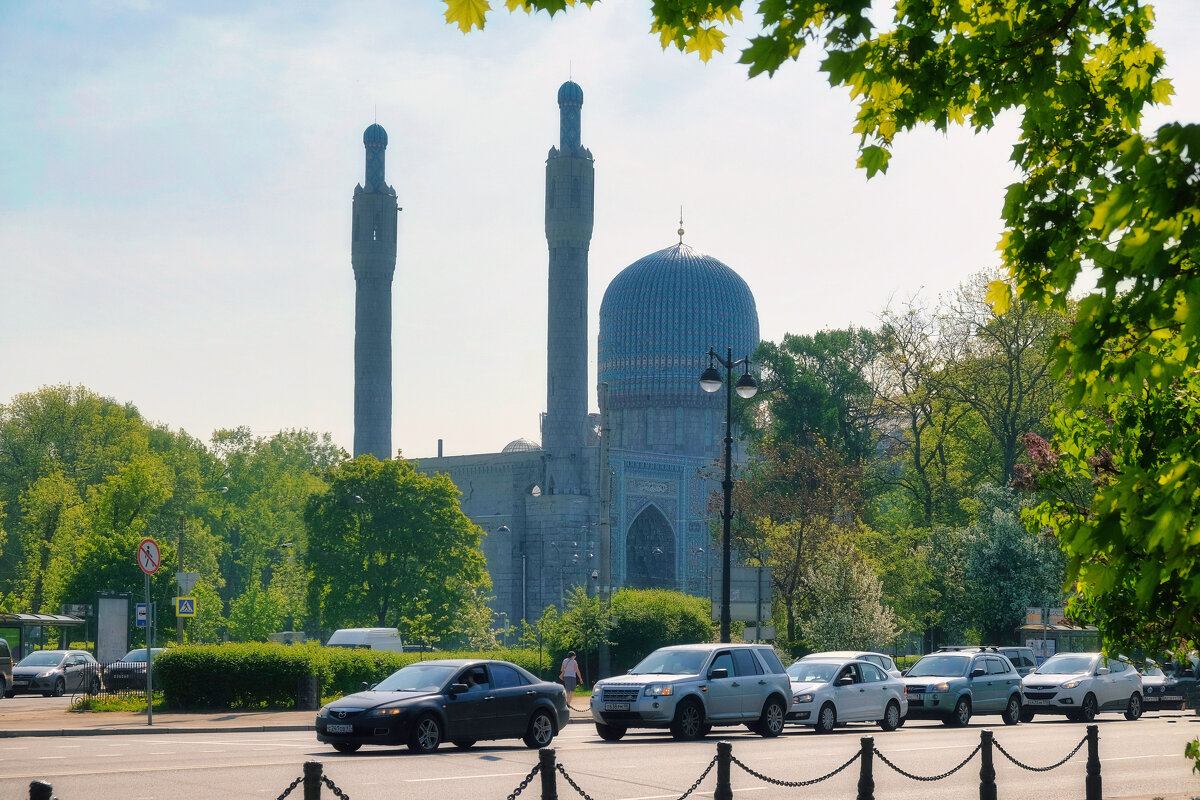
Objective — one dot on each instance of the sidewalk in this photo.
(94, 723)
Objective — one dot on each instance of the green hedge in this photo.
(268, 675)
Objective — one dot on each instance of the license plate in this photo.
(1037, 702)
(616, 706)
(1172, 697)
(916, 696)
(339, 728)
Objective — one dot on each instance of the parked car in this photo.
(955, 685)
(827, 692)
(130, 671)
(690, 688)
(1180, 689)
(1022, 658)
(458, 700)
(1082, 684)
(880, 660)
(53, 673)
(6, 665)
(1158, 690)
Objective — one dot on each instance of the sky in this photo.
(176, 183)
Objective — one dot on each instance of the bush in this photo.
(647, 619)
(268, 675)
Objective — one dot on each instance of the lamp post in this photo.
(711, 381)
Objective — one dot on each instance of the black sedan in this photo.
(456, 700)
(130, 671)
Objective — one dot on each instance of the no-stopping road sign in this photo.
(149, 559)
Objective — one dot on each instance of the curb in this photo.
(16, 734)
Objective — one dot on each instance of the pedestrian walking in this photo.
(569, 674)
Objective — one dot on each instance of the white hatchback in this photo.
(827, 692)
(1080, 685)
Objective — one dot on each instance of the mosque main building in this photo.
(541, 504)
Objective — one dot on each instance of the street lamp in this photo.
(711, 381)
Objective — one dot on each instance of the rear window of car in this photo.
(772, 661)
(746, 663)
(504, 677)
(997, 666)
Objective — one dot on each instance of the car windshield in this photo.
(138, 656)
(1153, 672)
(417, 678)
(671, 662)
(1066, 665)
(42, 659)
(812, 671)
(940, 665)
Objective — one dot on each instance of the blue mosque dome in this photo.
(521, 445)
(375, 135)
(658, 319)
(570, 93)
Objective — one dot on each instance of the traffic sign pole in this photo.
(149, 660)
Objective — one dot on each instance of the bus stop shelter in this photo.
(30, 633)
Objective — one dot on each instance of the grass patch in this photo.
(133, 703)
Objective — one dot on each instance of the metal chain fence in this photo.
(333, 788)
(947, 774)
(290, 787)
(1055, 765)
(795, 784)
(525, 783)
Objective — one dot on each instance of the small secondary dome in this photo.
(570, 93)
(520, 446)
(375, 135)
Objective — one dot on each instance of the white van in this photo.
(367, 639)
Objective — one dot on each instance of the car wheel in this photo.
(609, 733)
(1026, 715)
(4, 689)
(826, 719)
(688, 722)
(540, 732)
(464, 744)
(426, 735)
(60, 688)
(10, 693)
(346, 747)
(1012, 711)
(705, 730)
(1134, 710)
(1087, 711)
(770, 722)
(961, 714)
(891, 717)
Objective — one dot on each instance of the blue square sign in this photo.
(139, 615)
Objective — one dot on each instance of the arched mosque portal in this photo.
(650, 552)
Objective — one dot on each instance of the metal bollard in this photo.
(866, 781)
(724, 790)
(987, 772)
(312, 780)
(1091, 784)
(549, 776)
(40, 791)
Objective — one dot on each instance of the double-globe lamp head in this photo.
(711, 381)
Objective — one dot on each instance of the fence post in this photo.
(724, 790)
(549, 778)
(312, 780)
(1092, 782)
(987, 772)
(40, 791)
(866, 781)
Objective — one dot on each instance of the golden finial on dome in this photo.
(680, 231)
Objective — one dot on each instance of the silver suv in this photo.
(692, 687)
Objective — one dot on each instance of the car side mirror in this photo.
(978, 671)
(1102, 670)
(457, 688)
(904, 674)
(845, 680)
(364, 687)
(719, 672)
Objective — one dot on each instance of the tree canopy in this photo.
(1094, 192)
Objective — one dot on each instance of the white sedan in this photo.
(828, 692)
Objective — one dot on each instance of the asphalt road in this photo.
(1140, 759)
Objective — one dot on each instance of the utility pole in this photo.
(605, 534)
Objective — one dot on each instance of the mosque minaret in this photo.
(373, 256)
(569, 213)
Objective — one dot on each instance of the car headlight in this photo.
(802, 698)
(1070, 684)
(324, 712)
(46, 674)
(660, 690)
(387, 712)
(940, 687)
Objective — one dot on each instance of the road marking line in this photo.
(49, 758)
(465, 777)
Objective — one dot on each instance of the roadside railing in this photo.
(548, 768)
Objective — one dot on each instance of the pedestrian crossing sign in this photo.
(185, 606)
